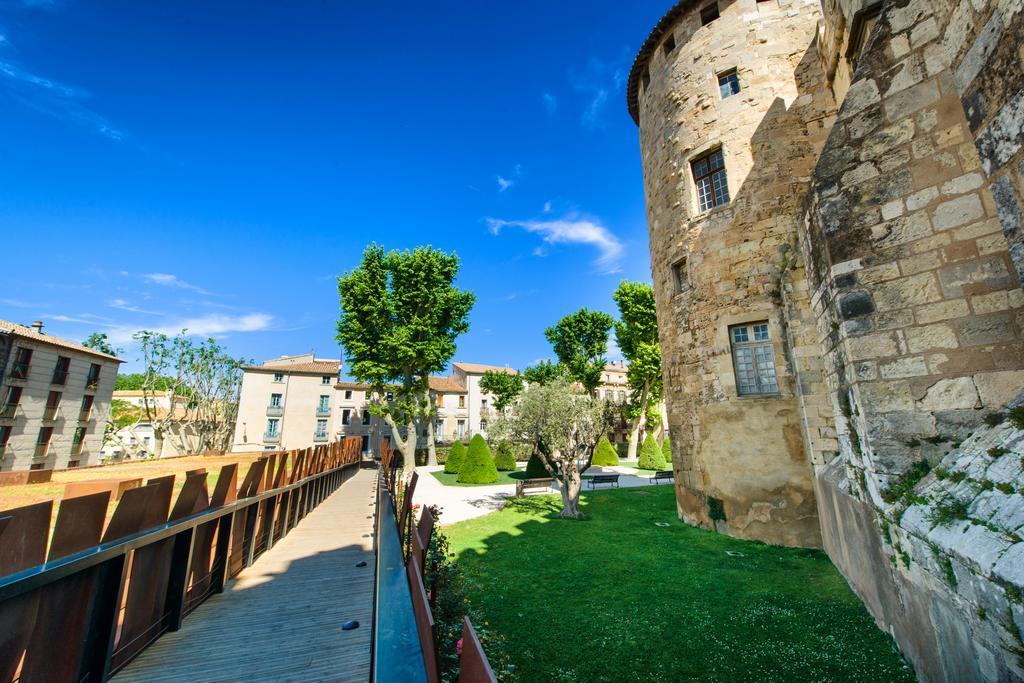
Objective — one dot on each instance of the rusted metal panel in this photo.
(79, 524)
(226, 490)
(192, 498)
(424, 620)
(473, 664)
(23, 533)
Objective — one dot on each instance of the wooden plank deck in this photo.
(280, 620)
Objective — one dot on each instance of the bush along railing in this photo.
(79, 604)
(409, 644)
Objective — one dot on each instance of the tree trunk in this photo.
(638, 423)
(570, 490)
(431, 447)
(406, 446)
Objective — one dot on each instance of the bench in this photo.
(666, 475)
(610, 479)
(540, 483)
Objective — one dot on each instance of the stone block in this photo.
(956, 212)
(913, 366)
(980, 276)
(928, 337)
(951, 394)
(908, 291)
(908, 101)
(942, 310)
(871, 346)
(985, 329)
(962, 184)
(996, 389)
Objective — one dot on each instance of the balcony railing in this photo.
(41, 449)
(271, 438)
(19, 370)
(84, 415)
(92, 381)
(323, 412)
(8, 411)
(275, 411)
(59, 377)
(50, 413)
(76, 447)
(319, 438)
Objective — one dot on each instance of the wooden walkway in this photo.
(280, 620)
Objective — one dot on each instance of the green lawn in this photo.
(449, 479)
(632, 466)
(616, 597)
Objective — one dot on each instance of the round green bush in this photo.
(604, 454)
(650, 455)
(666, 452)
(535, 468)
(505, 458)
(456, 455)
(478, 466)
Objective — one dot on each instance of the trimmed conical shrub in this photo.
(604, 454)
(455, 457)
(535, 468)
(650, 455)
(666, 452)
(505, 458)
(478, 467)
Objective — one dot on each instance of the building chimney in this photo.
(38, 326)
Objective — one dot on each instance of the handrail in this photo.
(397, 654)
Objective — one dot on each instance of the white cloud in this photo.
(547, 206)
(168, 280)
(570, 229)
(504, 183)
(202, 326)
(128, 306)
(550, 102)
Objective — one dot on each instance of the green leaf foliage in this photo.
(505, 458)
(478, 467)
(604, 454)
(400, 316)
(543, 372)
(666, 451)
(535, 468)
(503, 386)
(650, 455)
(455, 457)
(97, 341)
(580, 341)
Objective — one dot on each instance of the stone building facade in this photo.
(834, 198)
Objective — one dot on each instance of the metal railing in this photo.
(104, 596)
(275, 411)
(92, 381)
(50, 413)
(8, 411)
(41, 448)
(59, 377)
(323, 412)
(19, 370)
(84, 415)
(271, 438)
(320, 438)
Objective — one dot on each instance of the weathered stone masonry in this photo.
(877, 180)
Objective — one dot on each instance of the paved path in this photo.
(458, 503)
(280, 619)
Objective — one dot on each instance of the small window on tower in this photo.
(709, 14)
(679, 281)
(670, 43)
(709, 178)
(728, 83)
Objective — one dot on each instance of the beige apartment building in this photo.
(54, 399)
(139, 440)
(298, 401)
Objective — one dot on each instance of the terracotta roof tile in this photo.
(479, 369)
(29, 333)
(325, 367)
(447, 385)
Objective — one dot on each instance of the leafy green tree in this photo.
(564, 427)
(605, 455)
(505, 458)
(97, 341)
(135, 381)
(543, 372)
(478, 467)
(456, 454)
(580, 341)
(650, 455)
(505, 386)
(400, 316)
(636, 333)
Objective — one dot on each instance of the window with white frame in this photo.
(728, 83)
(275, 400)
(753, 359)
(273, 427)
(348, 394)
(324, 405)
(460, 428)
(321, 428)
(346, 416)
(326, 379)
(278, 377)
(709, 177)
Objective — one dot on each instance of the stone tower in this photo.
(730, 127)
(835, 204)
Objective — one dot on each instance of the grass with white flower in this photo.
(616, 597)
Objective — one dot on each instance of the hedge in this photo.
(535, 468)
(478, 465)
(455, 457)
(650, 455)
(604, 454)
(505, 458)
(666, 451)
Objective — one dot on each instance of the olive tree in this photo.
(400, 315)
(637, 335)
(564, 426)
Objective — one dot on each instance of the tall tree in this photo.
(580, 341)
(636, 333)
(400, 315)
(543, 372)
(98, 341)
(504, 386)
(564, 427)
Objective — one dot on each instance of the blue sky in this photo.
(215, 165)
